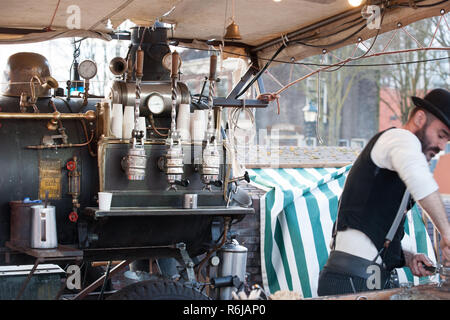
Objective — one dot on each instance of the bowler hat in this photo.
(437, 102)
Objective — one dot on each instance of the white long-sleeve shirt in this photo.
(398, 150)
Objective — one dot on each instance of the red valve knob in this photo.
(73, 216)
(71, 165)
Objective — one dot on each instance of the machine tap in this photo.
(173, 163)
(136, 161)
(210, 168)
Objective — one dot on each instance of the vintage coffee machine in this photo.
(151, 177)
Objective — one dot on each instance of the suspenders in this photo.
(395, 224)
(393, 229)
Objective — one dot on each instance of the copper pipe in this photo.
(226, 227)
(104, 263)
(153, 126)
(88, 115)
(92, 153)
(63, 145)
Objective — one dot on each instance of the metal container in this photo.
(233, 258)
(20, 68)
(190, 201)
(20, 223)
(135, 163)
(43, 227)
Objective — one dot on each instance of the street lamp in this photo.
(310, 117)
(310, 112)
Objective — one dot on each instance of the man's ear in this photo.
(419, 119)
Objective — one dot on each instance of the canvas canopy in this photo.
(264, 24)
(297, 216)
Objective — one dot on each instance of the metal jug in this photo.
(43, 227)
(233, 257)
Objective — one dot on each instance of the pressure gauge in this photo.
(167, 62)
(155, 103)
(87, 69)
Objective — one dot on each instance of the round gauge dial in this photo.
(167, 62)
(87, 69)
(155, 103)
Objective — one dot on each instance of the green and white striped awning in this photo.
(297, 215)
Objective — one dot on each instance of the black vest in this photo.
(369, 203)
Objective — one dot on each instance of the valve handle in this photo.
(73, 216)
(182, 182)
(217, 183)
(175, 62)
(139, 62)
(212, 67)
(71, 165)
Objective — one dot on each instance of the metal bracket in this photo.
(187, 261)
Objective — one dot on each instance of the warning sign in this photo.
(50, 179)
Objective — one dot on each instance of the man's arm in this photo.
(435, 208)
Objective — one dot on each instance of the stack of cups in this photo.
(184, 122)
(198, 125)
(117, 120)
(128, 122)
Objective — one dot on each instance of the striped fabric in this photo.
(297, 215)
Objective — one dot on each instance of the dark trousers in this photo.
(345, 273)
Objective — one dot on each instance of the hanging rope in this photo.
(49, 27)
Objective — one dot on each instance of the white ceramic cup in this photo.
(104, 201)
(128, 122)
(117, 120)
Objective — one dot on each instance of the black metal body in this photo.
(143, 213)
(20, 166)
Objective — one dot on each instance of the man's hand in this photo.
(416, 263)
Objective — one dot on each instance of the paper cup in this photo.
(128, 122)
(142, 126)
(184, 121)
(198, 125)
(104, 201)
(117, 120)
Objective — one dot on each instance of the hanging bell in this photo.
(232, 32)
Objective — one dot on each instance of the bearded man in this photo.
(391, 173)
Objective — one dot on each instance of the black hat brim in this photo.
(421, 103)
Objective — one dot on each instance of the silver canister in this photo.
(190, 201)
(233, 259)
(43, 227)
(135, 163)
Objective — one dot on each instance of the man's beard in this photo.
(425, 142)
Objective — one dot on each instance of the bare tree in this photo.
(408, 77)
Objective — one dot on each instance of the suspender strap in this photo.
(334, 233)
(395, 224)
(398, 218)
